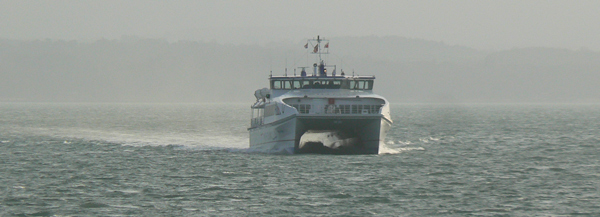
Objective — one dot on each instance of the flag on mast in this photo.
(316, 48)
(327, 45)
(306, 46)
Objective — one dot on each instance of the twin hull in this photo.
(284, 136)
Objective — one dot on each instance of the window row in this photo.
(322, 84)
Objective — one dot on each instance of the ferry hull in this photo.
(367, 133)
(278, 137)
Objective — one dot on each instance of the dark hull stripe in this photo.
(287, 140)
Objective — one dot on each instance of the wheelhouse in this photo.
(348, 83)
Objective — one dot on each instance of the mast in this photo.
(319, 65)
(318, 49)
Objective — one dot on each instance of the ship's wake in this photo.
(135, 138)
(385, 149)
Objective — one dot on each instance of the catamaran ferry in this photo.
(319, 112)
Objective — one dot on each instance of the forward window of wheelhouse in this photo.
(334, 84)
(276, 85)
(361, 85)
(287, 85)
(282, 85)
(297, 85)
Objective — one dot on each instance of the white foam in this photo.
(404, 143)
(384, 149)
(412, 149)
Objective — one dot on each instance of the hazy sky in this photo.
(480, 24)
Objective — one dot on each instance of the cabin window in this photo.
(321, 84)
(257, 117)
(317, 85)
(345, 85)
(302, 108)
(354, 85)
(287, 85)
(361, 85)
(305, 83)
(297, 85)
(283, 84)
(333, 84)
(276, 85)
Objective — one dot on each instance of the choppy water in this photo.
(190, 160)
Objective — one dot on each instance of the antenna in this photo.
(270, 66)
(286, 67)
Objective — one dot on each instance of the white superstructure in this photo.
(319, 113)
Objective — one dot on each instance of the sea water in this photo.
(191, 160)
